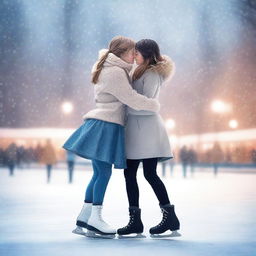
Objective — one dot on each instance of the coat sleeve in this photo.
(119, 86)
(151, 83)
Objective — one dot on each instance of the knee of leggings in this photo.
(105, 174)
(129, 175)
(150, 177)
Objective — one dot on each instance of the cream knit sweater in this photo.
(113, 91)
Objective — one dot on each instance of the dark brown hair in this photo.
(118, 46)
(150, 51)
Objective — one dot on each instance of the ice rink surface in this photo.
(217, 215)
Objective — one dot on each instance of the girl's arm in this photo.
(119, 86)
(151, 83)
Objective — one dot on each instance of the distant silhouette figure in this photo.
(253, 156)
(228, 156)
(184, 158)
(11, 157)
(192, 159)
(164, 164)
(71, 163)
(171, 163)
(2, 157)
(29, 156)
(48, 157)
(216, 157)
(38, 152)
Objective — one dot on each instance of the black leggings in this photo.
(149, 169)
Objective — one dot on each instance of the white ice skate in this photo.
(173, 234)
(82, 219)
(97, 227)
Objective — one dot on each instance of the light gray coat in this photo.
(146, 136)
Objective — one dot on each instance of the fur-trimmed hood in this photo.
(112, 60)
(165, 68)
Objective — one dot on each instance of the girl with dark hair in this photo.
(147, 140)
(101, 137)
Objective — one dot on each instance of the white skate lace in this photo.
(165, 214)
(101, 219)
(130, 222)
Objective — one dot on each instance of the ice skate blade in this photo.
(173, 234)
(92, 234)
(137, 236)
(97, 231)
(79, 231)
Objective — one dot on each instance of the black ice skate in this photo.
(135, 226)
(169, 222)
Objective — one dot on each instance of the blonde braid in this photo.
(96, 73)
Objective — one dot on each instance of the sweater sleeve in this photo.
(119, 86)
(151, 85)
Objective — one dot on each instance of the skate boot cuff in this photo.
(134, 208)
(166, 206)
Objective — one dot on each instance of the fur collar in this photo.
(165, 68)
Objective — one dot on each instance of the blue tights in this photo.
(96, 189)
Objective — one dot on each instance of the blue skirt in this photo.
(99, 140)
